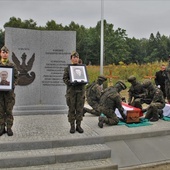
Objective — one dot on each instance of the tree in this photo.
(135, 51)
(18, 23)
(51, 25)
(157, 48)
(161, 46)
(117, 46)
(2, 36)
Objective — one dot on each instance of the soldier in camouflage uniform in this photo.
(136, 92)
(93, 93)
(109, 101)
(7, 98)
(154, 110)
(75, 97)
(167, 81)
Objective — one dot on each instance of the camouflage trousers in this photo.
(153, 110)
(111, 117)
(7, 101)
(95, 106)
(75, 101)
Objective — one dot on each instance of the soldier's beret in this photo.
(102, 78)
(120, 83)
(5, 49)
(146, 83)
(131, 78)
(74, 53)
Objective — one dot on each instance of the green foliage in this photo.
(51, 25)
(93, 72)
(18, 23)
(2, 34)
(117, 46)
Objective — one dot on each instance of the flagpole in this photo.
(101, 39)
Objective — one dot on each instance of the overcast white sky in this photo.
(139, 18)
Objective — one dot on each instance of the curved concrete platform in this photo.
(39, 140)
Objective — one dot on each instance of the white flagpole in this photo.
(101, 38)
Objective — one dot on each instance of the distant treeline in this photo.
(117, 46)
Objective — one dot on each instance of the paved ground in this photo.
(131, 147)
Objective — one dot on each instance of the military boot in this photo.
(154, 118)
(78, 128)
(2, 130)
(101, 121)
(9, 131)
(72, 129)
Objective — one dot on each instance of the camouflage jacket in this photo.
(137, 91)
(111, 99)
(156, 95)
(93, 92)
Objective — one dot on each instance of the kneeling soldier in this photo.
(109, 101)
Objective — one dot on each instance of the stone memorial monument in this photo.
(41, 57)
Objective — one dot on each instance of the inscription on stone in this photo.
(54, 68)
(54, 73)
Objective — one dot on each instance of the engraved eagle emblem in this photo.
(24, 77)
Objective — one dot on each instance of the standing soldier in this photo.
(154, 110)
(109, 101)
(167, 81)
(75, 97)
(136, 92)
(93, 94)
(160, 79)
(7, 98)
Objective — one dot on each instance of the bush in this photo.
(123, 71)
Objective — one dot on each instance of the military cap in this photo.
(146, 83)
(102, 78)
(5, 49)
(121, 84)
(74, 53)
(131, 78)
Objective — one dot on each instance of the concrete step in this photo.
(25, 158)
(99, 164)
(54, 143)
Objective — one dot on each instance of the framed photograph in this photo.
(78, 73)
(6, 78)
